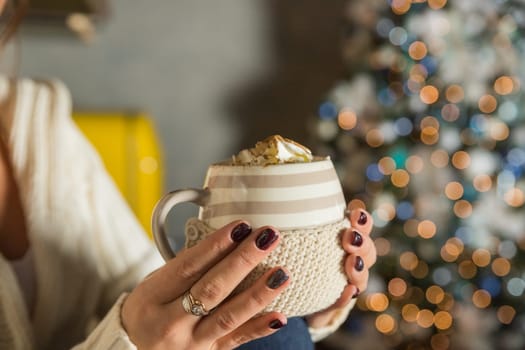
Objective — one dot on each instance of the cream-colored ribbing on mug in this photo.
(314, 257)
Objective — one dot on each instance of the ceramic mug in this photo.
(303, 200)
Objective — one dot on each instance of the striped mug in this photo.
(303, 200)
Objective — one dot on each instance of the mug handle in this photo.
(164, 206)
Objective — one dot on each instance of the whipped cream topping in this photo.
(273, 150)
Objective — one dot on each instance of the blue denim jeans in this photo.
(293, 336)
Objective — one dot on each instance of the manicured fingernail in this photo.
(362, 219)
(276, 324)
(277, 279)
(266, 238)
(240, 232)
(356, 294)
(357, 239)
(359, 264)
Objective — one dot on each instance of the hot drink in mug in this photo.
(277, 183)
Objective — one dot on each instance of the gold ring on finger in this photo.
(193, 306)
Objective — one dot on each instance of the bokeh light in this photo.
(404, 210)
(514, 197)
(437, 4)
(425, 318)
(454, 94)
(482, 183)
(481, 298)
(439, 158)
(397, 287)
(454, 247)
(421, 270)
(487, 104)
(481, 257)
(385, 324)
(347, 119)
(426, 229)
(506, 314)
(383, 246)
(443, 320)
(499, 131)
(440, 341)
(462, 208)
(408, 261)
(375, 138)
(400, 7)
(410, 227)
(429, 94)
(387, 165)
(414, 164)
(435, 294)
(400, 178)
(448, 302)
(450, 112)
(429, 135)
(504, 85)
(418, 73)
(461, 160)
(467, 269)
(417, 50)
(409, 312)
(516, 286)
(377, 302)
(501, 267)
(454, 190)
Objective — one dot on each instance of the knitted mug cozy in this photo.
(314, 256)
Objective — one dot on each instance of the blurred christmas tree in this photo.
(428, 134)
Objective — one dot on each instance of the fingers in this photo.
(356, 241)
(257, 327)
(361, 250)
(361, 220)
(358, 244)
(180, 273)
(242, 307)
(154, 312)
(221, 280)
(356, 272)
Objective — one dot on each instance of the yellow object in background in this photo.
(130, 150)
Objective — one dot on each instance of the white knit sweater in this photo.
(88, 247)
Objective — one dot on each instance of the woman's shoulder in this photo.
(21, 93)
(9, 83)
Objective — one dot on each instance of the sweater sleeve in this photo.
(109, 333)
(341, 315)
(121, 250)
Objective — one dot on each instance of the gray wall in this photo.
(175, 59)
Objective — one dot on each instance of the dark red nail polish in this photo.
(357, 239)
(276, 324)
(356, 294)
(240, 232)
(266, 238)
(277, 279)
(362, 219)
(359, 264)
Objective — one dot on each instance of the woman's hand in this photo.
(155, 318)
(361, 256)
